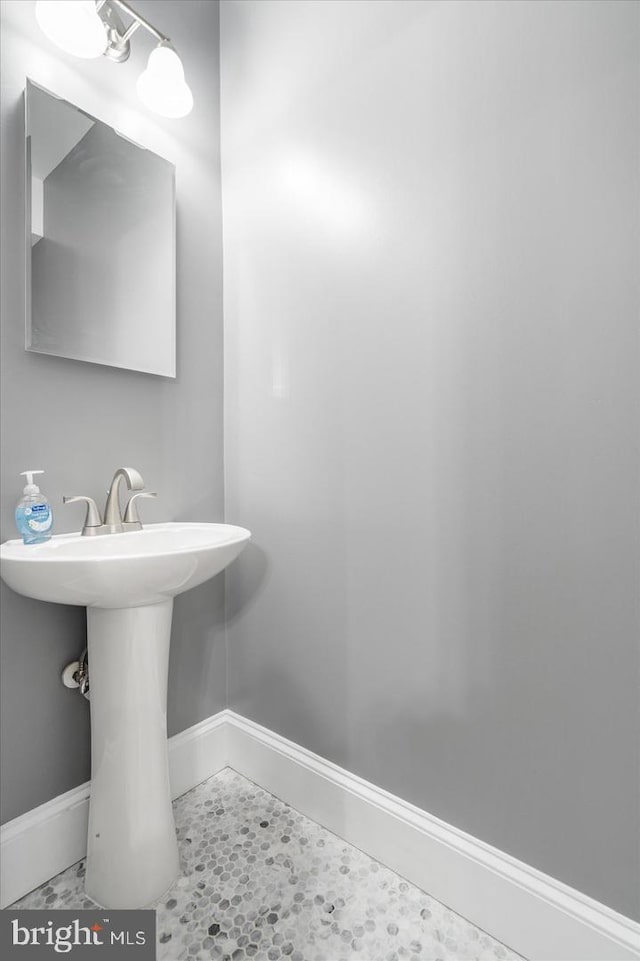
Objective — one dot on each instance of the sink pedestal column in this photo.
(132, 851)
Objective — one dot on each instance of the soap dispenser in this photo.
(34, 518)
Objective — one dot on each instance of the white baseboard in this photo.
(39, 844)
(198, 753)
(532, 913)
(537, 916)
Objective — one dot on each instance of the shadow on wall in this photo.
(249, 580)
(196, 686)
(300, 670)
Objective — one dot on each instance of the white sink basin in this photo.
(127, 582)
(121, 570)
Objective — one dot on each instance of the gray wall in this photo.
(431, 337)
(81, 421)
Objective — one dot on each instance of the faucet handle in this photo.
(93, 518)
(131, 515)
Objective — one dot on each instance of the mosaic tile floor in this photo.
(261, 881)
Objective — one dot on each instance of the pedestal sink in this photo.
(127, 583)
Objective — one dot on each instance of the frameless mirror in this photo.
(100, 227)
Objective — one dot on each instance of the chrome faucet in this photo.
(113, 522)
(112, 515)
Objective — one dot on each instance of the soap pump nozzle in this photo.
(30, 487)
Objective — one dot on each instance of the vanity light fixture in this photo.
(94, 28)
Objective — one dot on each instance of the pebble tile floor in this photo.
(261, 881)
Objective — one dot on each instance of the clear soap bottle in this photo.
(34, 518)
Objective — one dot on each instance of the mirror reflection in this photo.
(101, 253)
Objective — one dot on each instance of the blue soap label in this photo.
(39, 517)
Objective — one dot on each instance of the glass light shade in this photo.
(73, 25)
(162, 87)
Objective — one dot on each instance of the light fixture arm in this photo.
(139, 21)
(118, 33)
(161, 87)
(129, 32)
